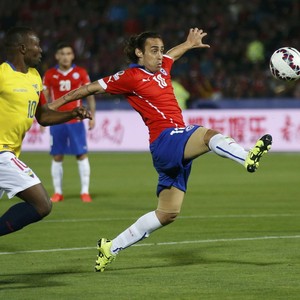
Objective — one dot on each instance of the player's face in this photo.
(152, 57)
(65, 57)
(33, 53)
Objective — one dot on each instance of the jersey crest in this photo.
(163, 71)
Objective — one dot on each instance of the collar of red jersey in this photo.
(131, 66)
(72, 66)
(137, 66)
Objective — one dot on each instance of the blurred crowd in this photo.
(243, 35)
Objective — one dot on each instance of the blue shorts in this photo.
(68, 138)
(167, 155)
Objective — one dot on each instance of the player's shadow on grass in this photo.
(180, 258)
(34, 280)
(196, 258)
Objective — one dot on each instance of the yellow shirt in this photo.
(19, 97)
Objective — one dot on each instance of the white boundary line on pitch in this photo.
(163, 244)
(180, 217)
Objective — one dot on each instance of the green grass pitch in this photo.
(237, 236)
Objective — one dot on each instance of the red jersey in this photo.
(150, 94)
(60, 82)
(43, 100)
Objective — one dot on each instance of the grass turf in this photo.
(237, 236)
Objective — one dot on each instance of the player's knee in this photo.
(209, 134)
(44, 208)
(166, 218)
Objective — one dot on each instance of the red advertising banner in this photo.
(125, 131)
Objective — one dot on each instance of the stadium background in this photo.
(242, 34)
(233, 74)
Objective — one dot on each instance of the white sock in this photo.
(84, 173)
(138, 231)
(227, 147)
(57, 176)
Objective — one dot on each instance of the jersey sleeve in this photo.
(167, 63)
(85, 76)
(46, 81)
(43, 100)
(122, 82)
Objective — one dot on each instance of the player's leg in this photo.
(19, 180)
(167, 154)
(78, 147)
(59, 145)
(84, 174)
(37, 205)
(57, 177)
(204, 140)
(169, 205)
(138, 231)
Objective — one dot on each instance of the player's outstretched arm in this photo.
(194, 40)
(82, 92)
(46, 116)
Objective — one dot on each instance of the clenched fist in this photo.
(81, 113)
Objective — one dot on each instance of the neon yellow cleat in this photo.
(262, 146)
(104, 257)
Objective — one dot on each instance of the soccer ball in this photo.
(285, 64)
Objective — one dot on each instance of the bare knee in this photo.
(38, 198)
(166, 218)
(45, 208)
(208, 135)
(41, 201)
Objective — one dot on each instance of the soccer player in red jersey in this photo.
(173, 144)
(68, 138)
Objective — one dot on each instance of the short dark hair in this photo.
(138, 41)
(62, 45)
(15, 36)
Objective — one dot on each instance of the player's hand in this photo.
(81, 113)
(195, 38)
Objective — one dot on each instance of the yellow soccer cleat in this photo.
(262, 146)
(104, 257)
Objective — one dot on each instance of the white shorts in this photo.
(15, 176)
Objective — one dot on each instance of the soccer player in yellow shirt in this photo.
(20, 102)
